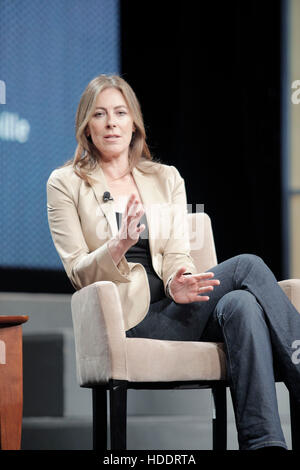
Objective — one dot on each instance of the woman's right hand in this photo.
(129, 232)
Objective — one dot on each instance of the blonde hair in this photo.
(86, 155)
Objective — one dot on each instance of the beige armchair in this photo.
(108, 361)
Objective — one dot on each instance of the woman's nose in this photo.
(110, 120)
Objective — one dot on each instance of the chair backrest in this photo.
(202, 243)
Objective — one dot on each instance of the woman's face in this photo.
(111, 125)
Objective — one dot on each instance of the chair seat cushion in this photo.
(152, 360)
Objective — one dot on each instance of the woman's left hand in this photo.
(186, 288)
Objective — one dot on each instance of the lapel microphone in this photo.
(107, 197)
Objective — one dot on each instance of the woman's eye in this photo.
(99, 114)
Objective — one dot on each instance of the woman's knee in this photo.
(250, 259)
(238, 305)
(251, 268)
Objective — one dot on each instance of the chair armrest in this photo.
(202, 243)
(99, 333)
(291, 287)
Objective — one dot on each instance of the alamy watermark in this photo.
(296, 353)
(2, 92)
(165, 221)
(2, 352)
(295, 97)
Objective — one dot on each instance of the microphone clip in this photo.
(107, 196)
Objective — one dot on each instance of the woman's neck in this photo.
(115, 168)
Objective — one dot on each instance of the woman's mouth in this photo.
(111, 137)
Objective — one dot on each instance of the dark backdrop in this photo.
(207, 75)
(208, 78)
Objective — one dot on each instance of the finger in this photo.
(207, 275)
(205, 289)
(129, 203)
(133, 230)
(140, 210)
(136, 210)
(133, 221)
(141, 228)
(202, 277)
(132, 208)
(209, 282)
(179, 272)
(200, 298)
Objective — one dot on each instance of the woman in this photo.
(106, 210)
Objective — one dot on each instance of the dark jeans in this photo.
(258, 324)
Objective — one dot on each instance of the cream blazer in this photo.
(81, 225)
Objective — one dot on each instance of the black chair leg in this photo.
(219, 418)
(295, 423)
(99, 419)
(118, 414)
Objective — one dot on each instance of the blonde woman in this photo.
(114, 214)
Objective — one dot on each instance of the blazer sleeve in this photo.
(177, 249)
(82, 266)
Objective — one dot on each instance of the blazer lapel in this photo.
(150, 199)
(99, 186)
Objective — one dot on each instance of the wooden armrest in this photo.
(12, 320)
(11, 381)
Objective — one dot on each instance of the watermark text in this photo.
(2, 92)
(296, 353)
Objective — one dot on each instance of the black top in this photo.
(140, 253)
